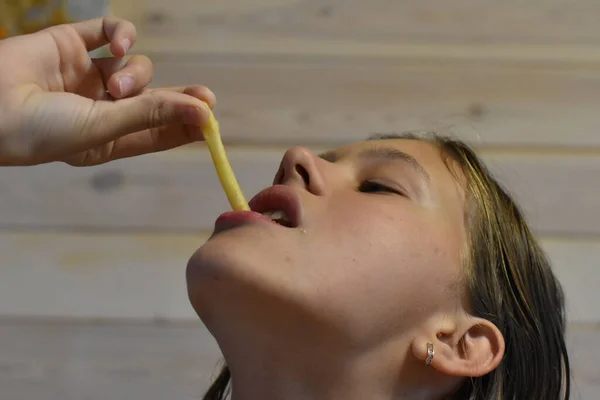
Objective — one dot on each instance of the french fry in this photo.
(212, 137)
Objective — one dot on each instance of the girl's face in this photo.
(375, 247)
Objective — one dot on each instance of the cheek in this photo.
(382, 268)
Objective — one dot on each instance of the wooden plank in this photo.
(96, 276)
(142, 276)
(68, 361)
(464, 28)
(575, 263)
(171, 191)
(331, 101)
(559, 194)
(179, 191)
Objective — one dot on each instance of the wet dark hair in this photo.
(510, 283)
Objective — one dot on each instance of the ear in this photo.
(474, 347)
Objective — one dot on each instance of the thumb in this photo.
(151, 109)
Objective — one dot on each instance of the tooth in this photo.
(274, 215)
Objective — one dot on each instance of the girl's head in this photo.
(394, 243)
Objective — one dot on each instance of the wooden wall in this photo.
(518, 80)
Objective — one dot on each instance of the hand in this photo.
(58, 104)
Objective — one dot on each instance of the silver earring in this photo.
(430, 354)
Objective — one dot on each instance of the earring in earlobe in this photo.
(430, 354)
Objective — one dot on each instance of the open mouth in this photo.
(280, 203)
(279, 217)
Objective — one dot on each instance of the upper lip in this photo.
(279, 198)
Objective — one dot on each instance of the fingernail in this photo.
(126, 83)
(126, 43)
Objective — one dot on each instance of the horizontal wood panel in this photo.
(96, 276)
(560, 195)
(65, 361)
(180, 191)
(278, 25)
(142, 276)
(74, 361)
(332, 101)
(168, 191)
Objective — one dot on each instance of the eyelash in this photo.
(366, 185)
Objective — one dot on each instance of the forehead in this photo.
(426, 154)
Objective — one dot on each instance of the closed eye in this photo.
(375, 187)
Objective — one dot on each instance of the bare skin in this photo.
(345, 310)
(58, 104)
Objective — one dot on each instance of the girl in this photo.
(394, 268)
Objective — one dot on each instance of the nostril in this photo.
(303, 173)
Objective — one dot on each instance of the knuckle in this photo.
(158, 113)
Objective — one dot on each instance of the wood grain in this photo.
(142, 276)
(328, 72)
(464, 28)
(180, 191)
(63, 361)
(332, 100)
(172, 191)
(66, 361)
(520, 80)
(96, 276)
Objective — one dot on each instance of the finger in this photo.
(120, 33)
(156, 139)
(198, 91)
(140, 143)
(125, 76)
(201, 92)
(110, 120)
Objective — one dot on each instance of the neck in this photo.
(294, 373)
(293, 379)
(278, 352)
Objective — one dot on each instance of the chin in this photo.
(223, 256)
(249, 274)
(232, 266)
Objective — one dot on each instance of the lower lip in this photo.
(233, 218)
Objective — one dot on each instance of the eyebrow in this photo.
(382, 153)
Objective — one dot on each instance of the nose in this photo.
(300, 167)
